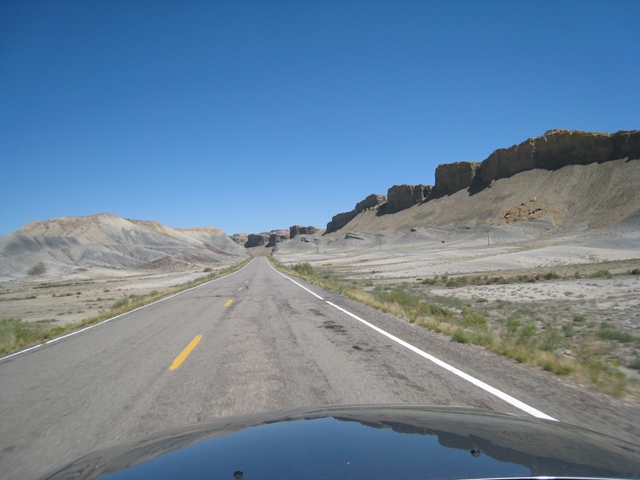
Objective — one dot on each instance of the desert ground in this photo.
(58, 302)
(576, 283)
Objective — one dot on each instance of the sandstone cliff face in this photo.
(401, 197)
(558, 148)
(371, 201)
(257, 240)
(451, 177)
(300, 230)
(553, 150)
(340, 220)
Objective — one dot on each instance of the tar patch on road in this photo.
(333, 326)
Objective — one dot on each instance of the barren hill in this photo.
(106, 241)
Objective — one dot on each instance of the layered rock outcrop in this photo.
(452, 177)
(401, 197)
(558, 148)
(553, 150)
(300, 230)
(266, 239)
(340, 220)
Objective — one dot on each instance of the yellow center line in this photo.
(240, 289)
(229, 302)
(185, 353)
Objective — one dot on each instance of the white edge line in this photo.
(292, 280)
(53, 340)
(478, 383)
(465, 376)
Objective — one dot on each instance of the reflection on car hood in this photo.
(365, 442)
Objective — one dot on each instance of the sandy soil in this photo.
(59, 302)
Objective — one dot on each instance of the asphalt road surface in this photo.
(256, 341)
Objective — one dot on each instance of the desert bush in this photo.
(551, 276)
(460, 336)
(601, 274)
(303, 268)
(607, 333)
(551, 340)
(473, 319)
(38, 269)
(579, 319)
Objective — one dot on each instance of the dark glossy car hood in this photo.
(365, 442)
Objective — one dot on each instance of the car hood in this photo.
(365, 442)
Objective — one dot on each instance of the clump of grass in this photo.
(607, 333)
(303, 268)
(15, 334)
(473, 319)
(601, 274)
(579, 319)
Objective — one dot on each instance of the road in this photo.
(256, 341)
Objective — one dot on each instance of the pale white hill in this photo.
(105, 241)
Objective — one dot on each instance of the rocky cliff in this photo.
(296, 230)
(451, 177)
(551, 151)
(401, 197)
(340, 220)
(264, 239)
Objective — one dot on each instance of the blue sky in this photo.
(257, 115)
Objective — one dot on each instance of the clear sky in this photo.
(258, 115)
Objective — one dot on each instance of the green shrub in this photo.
(512, 325)
(303, 268)
(474, 319)
(551, 340)
(551, 276)
(616, 335)
(526, 334)
(579, 319)
(460, 336)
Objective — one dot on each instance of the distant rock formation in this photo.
(452, 177)
(401, 197)
(340, 220)
(296, 230)
(557, 148)
(257, 240)
(553, 150)
(266, 239)
(239, 238)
